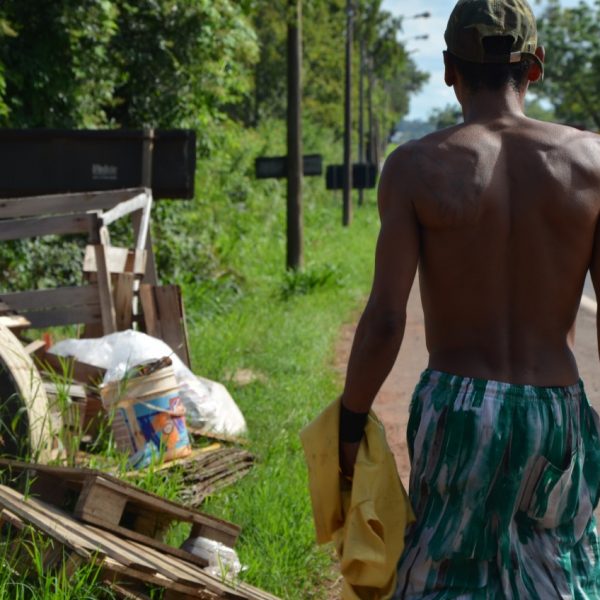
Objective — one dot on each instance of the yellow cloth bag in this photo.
(366, 521)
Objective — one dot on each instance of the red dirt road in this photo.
(391, 404)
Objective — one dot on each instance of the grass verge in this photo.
(283, 329)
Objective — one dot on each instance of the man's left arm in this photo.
(381, 328)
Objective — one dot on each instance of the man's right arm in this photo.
(381, 327)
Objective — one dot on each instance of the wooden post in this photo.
(151, 275)
(361, 111)
(294, 137)
(347, 201)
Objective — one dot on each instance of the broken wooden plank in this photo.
(15, 229)
(126, 207)
(31, 206)
(34, 346)
(15, 321)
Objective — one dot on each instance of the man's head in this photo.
(493, 43)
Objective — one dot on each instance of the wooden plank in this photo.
(119, 260)
(15, 321)
(31, 206)
(230, 531)
(107, 307)
(146, 558)
(149, 310)
(74, 315)
(34, 346)
(63, 527)
(170, 314)
(113, 570)
(139, 202)
(193, 573)
(79, 371)
(16, 229)
(124, 283)
(130, 534)
(43, 299)
(15, 503)
(97, 501)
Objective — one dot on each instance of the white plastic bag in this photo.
(208, 404)
(223, 561)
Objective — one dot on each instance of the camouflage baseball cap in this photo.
(473, 20)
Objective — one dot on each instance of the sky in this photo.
(428, 53)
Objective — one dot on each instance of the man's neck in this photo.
(488, 105)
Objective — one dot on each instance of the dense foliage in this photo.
(218, 66)
(571, 37)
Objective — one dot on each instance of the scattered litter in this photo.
(148, 417)
(223, 561)
(208, 404)
(119, 528)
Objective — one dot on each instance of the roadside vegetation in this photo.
(226, 247)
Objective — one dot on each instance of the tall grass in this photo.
(283, 327)
(245, 311)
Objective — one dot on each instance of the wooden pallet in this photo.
(122, 561)
(99, 499)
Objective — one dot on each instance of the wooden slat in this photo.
(107, 306)
(149, 310)
(62, 526)
(112, 569)
(139, 202)
(170, 314)
(57, 297)
(145, 540)
(14, 321)
(39, 226)
(13, 501)
(80, 371)
(119, 260)
(133, 494)
(74, 315)
(34, 346)
(124, 283)
(31, 206)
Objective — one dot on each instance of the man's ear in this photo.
(449, 71)
(535, 72)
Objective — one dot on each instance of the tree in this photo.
(92, 63)
(57, 67)
(571, 37)
(448, 116)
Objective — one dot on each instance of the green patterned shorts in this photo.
(504, 482)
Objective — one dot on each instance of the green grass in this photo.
(283, 328)
(245, 311)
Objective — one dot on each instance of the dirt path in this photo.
(393, 399)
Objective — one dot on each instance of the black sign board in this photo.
(276, 166)
(51, 161)
(364, 176)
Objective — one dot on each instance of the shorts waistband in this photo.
(504, 389)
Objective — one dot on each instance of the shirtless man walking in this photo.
(501, 217)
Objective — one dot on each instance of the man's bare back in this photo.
(501, 218)
(507, 213)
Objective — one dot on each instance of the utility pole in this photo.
(361, 110)
(294, 137)
(347, 193)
